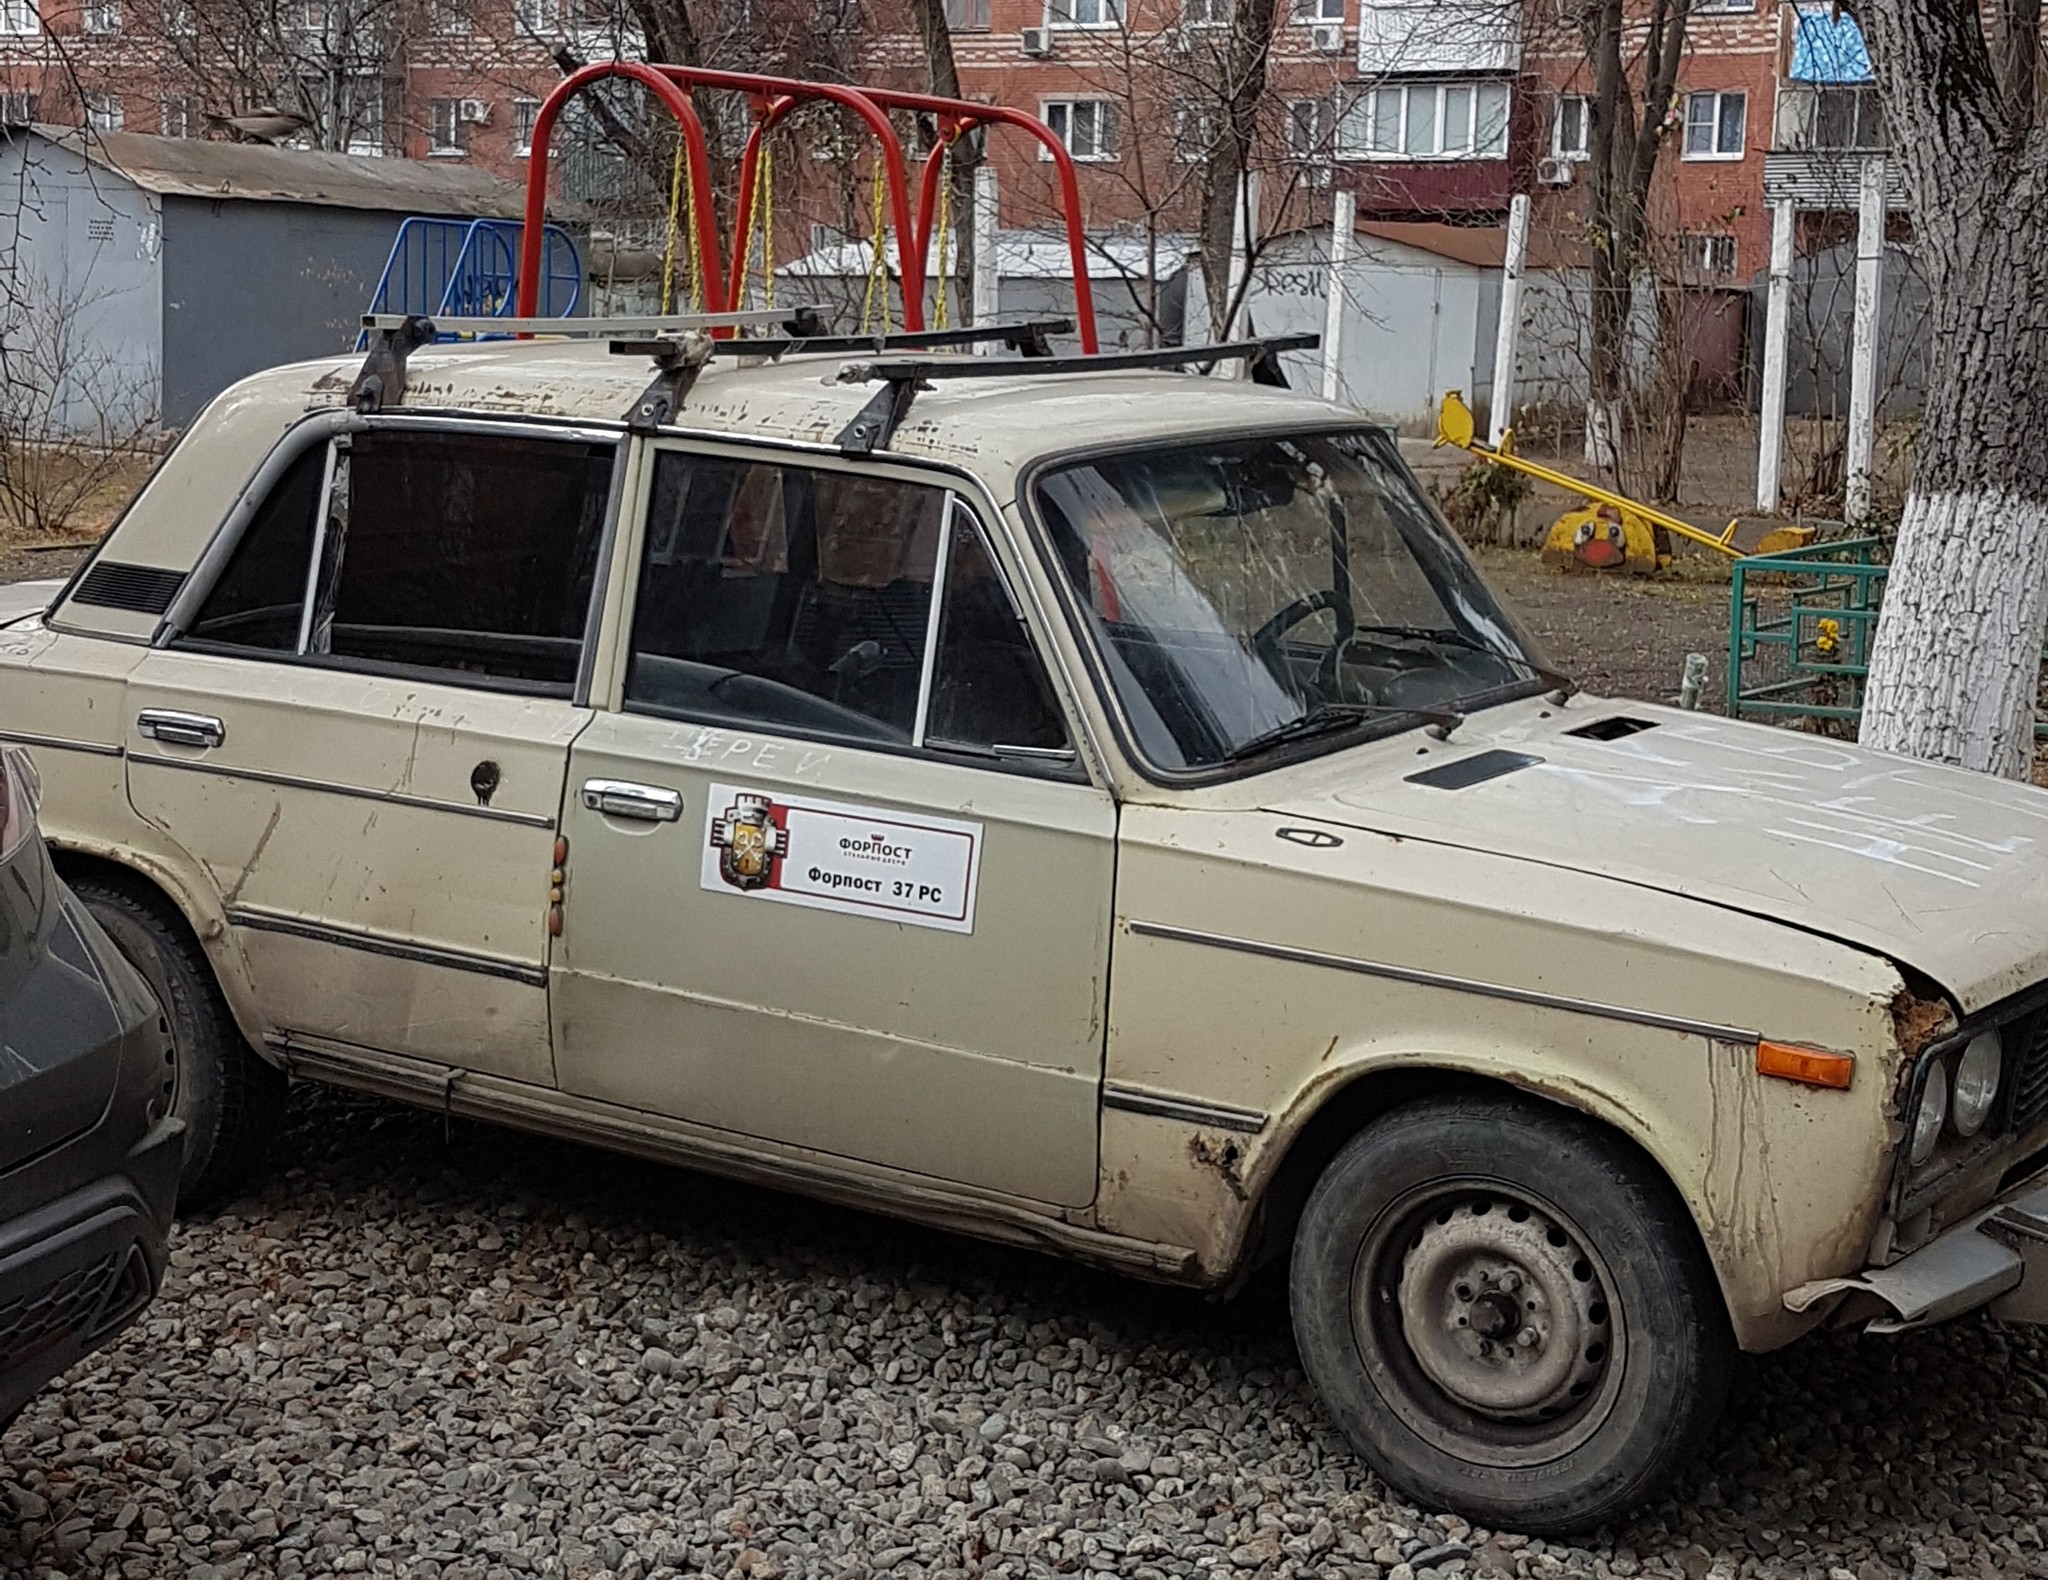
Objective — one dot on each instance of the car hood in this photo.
(1935, 868)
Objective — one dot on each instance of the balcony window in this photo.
(17, 107)
(967, 16)
(1705, 256)
(1571, 126)
(1084, 13)
(1714, 125)
(1827, 46)
(1427, 120)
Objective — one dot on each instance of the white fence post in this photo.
(1777, 329)
(1863, 342)
(1510, 329)
(988, 285)
(1343, 221)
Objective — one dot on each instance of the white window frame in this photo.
(176, 18)
(1205, 13)
(1697, 251)
(101, 18)
(1365, 105)
(175, 115)
(525, 112)
(1315, 13)
(538, 18)
(1714, 97)
(1061, 14)
(1062, 111)
(967, 16)
(456, 143)
(19, 19)
(105, 113)
(1194, 134)
(17, 106)
(1317, 151)
(1724, 7)
(1558, 150)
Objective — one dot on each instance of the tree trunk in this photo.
(1242, 92)
(1957, 661)
(943, 75)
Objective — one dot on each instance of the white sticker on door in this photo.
(893, 866)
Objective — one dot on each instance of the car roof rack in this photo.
(395, 336)
(1032, 338)
(901, 378)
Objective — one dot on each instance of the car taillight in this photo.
(20, 789)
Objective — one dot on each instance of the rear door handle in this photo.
(180, 729)
(618, 798)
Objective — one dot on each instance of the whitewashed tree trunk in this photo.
(1603, 433)
(1958, 654)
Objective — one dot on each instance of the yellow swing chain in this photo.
(766, 191)
(945, 231)
(878, 267)
(676, 202)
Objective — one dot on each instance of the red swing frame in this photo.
(724, 274)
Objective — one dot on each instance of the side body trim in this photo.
(1436, 979)
(1217, 1116)
(59, 743)
(381, 944)
(358, 792)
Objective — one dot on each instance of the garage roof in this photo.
(259, 173)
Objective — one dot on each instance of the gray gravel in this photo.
(433, 1350)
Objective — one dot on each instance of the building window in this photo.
(1847, 119)
(1427, 120)
(17, 107)
(103, 16)
(103, 112)
(447, 17)
(1571, 126)
(177, 115)
(524, 113)
(541, 17)
(1307, 140)
(177, 17)
(1728, 7)
(1205, 13)
(1084, 13)
(1087, 127)
(1194, 135)
(1711, 257)
(1714, 125)
(446, 135)
(967, 16)
(18, 18)
(307, 17)
(1318, 10)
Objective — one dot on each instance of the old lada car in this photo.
(89, 1148)
(1092, 806)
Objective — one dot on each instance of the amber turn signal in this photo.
(1810, 1066)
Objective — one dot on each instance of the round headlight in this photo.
(1933, 1110)
(1977, 1073)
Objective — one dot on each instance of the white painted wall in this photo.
(85, 247)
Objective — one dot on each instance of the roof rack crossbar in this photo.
(1029, 339)
(901, 378)
(602, 328)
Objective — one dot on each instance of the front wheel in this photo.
(1508, 1313)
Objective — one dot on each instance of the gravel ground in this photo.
(445, 1350)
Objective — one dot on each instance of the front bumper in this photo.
(1996, 1257)
(77, 1270)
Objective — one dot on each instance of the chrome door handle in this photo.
(180, 729)
(618, 798)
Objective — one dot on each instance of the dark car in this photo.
(89, 1152)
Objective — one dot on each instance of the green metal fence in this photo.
(1800, 629)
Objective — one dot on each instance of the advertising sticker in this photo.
(830, 856)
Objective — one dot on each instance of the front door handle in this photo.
(618, 798)
(180, 729)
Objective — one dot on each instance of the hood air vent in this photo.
(1612, 729)
(1473, 770)
(142, 589)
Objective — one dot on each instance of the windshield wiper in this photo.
(1450, 637)
(1325, 717)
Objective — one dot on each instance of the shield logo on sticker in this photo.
(748, 840)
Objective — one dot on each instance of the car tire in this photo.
(1508, 1313)
(229, 1098)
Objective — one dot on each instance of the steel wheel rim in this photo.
(1488, 1252)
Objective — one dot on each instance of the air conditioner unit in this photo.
(1037, 42)
(1554, 172)
(475, 112)
(1327, 38)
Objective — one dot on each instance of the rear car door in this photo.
(836, 876)
(361, 727)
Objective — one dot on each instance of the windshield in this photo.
(1249, 591)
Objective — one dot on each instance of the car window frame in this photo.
(968, 496)
(334, 431)
(1076, 617)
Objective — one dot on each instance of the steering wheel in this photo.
(1266, 640)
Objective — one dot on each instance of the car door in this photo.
(836, 877)
(360, 731)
